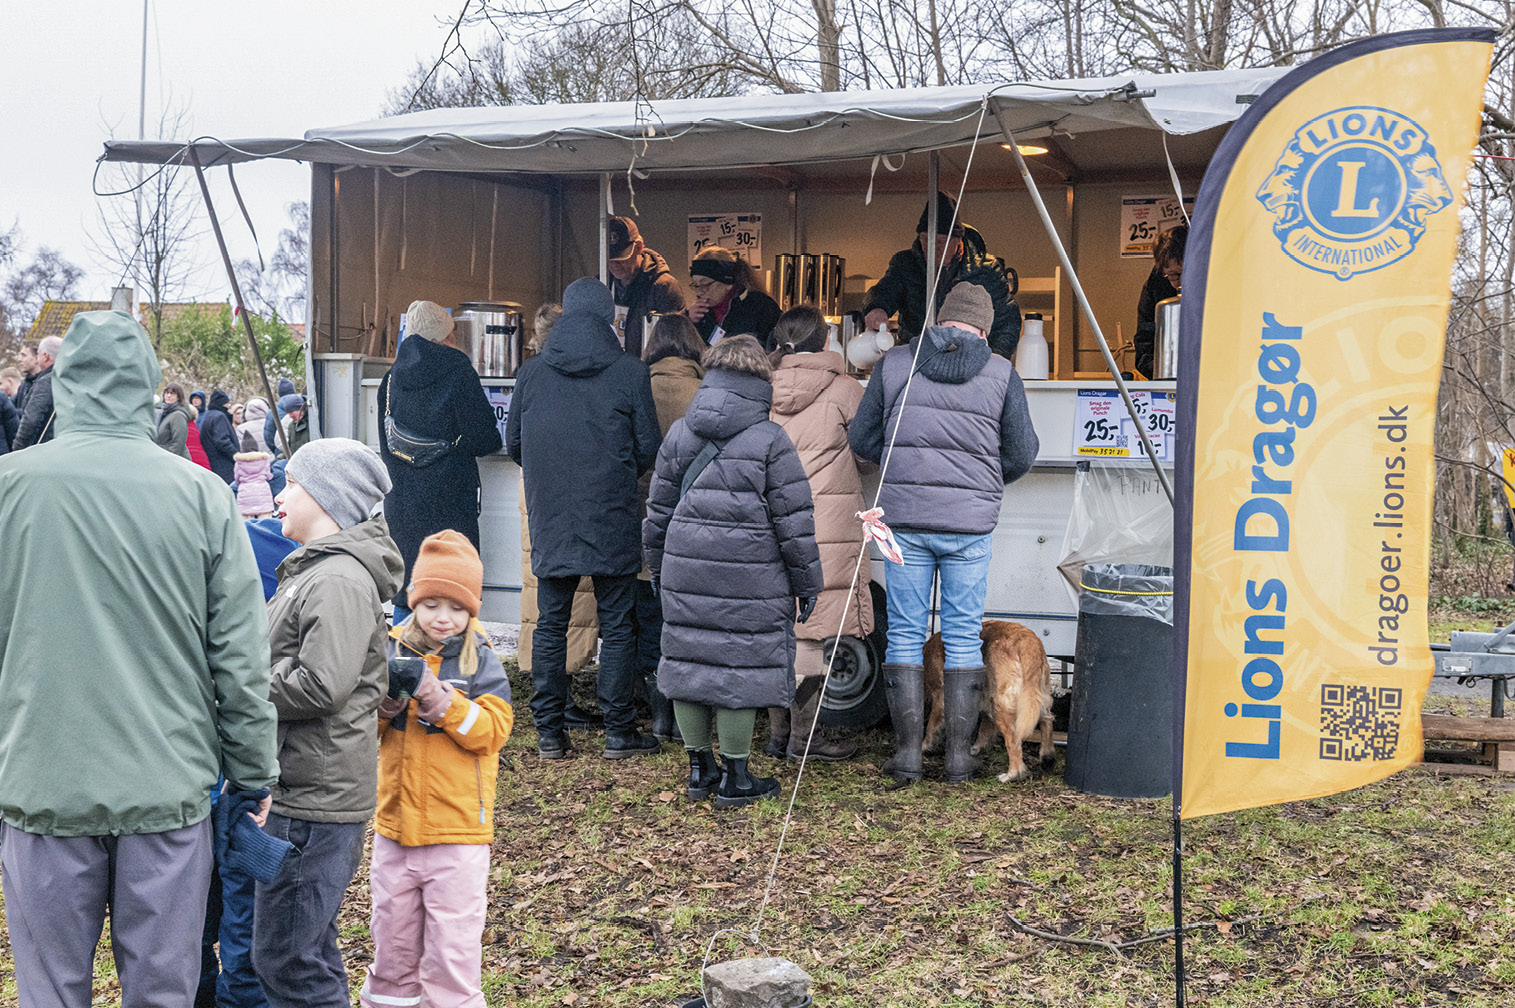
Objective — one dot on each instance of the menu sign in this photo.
(1143, 218)
(741, 233)
(1102, 426)
(499, 401)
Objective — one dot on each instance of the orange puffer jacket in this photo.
(437, 781)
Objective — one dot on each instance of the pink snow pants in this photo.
(428, 918)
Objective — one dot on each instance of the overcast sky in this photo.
(272, 68)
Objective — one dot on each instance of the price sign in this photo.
(741, 233)
(1103, 427)
(499, 401)
(1143, 218)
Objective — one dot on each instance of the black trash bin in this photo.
(1120, 730)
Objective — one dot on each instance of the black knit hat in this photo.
(946, 207)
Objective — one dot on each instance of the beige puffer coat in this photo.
(814, 400)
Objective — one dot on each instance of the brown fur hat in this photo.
(743, 354)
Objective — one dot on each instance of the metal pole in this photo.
(1083, 302)
(236, 292)
(933, 171)
(605, 229)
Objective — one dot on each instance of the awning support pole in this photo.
(933, 183)
(236, 292)
(1083, 303)
(605, 229)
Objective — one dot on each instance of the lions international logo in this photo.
(1352, 191)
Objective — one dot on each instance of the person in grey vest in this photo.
(961, 434)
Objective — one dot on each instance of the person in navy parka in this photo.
(732, 556)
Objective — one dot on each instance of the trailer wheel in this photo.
(855, 694)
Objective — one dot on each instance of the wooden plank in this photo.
(1501, 755)
(1467, 729)
(1465, 769)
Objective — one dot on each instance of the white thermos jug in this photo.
(1031, 351)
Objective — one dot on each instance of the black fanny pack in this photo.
(410, 448)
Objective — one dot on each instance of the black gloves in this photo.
(404, 676)
(807, 606)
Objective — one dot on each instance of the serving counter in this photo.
(1075, 421)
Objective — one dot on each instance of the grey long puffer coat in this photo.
(734, 553)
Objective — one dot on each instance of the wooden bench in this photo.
(1497, 735)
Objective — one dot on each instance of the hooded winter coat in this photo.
(174, 421)
(253, 416)
(327, 635)
(734, 553)
(38, 420)
(437, 779)
(432, 391)
(135, 667)
(964, 433)
(583, 617)
(814, 401)
(583, 427)
(902, 289)
(275, 416)
(253, 473)
(654, 288)
(218, 436)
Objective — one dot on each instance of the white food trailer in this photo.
(508, 204)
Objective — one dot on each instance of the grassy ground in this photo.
(608, 886)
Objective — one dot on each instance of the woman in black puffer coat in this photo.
(732, 556)
(433, 392)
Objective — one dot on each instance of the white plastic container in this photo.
(1031, 351)
(869, 346)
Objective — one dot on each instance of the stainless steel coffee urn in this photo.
(1165, 346)
(833, 277)
(495, 336)
(786, 278)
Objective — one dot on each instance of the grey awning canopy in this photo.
(744, 131)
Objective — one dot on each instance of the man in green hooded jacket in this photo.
(134, 667)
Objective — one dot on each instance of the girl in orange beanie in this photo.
(440, 730)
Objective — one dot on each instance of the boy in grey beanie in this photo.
(345, 477)
(326, 637)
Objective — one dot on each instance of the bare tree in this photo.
(150, 231)
(48, 277)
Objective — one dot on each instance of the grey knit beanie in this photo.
(970, 303)
(346, 477)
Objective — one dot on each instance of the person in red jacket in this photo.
(196, 450)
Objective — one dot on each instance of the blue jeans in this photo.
(238, 985)
(295, 949)
(963, 563)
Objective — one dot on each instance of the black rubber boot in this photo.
(662, 727)
(804, 712)
(738, 787)
(778, 732)
(626, 744)
(704, 774)
(553, 745)
(962, 689)
(905, 686)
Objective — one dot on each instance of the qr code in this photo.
(1359, 723)
(1122, 441)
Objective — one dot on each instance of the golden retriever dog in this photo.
(1017, 694)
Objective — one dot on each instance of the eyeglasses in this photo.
(1173, 275)
(701, 286)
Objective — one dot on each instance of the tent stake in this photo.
(236, 292)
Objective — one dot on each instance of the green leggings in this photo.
(733, 726)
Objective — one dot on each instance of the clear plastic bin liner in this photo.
(1120, 514)
(1141, 590)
